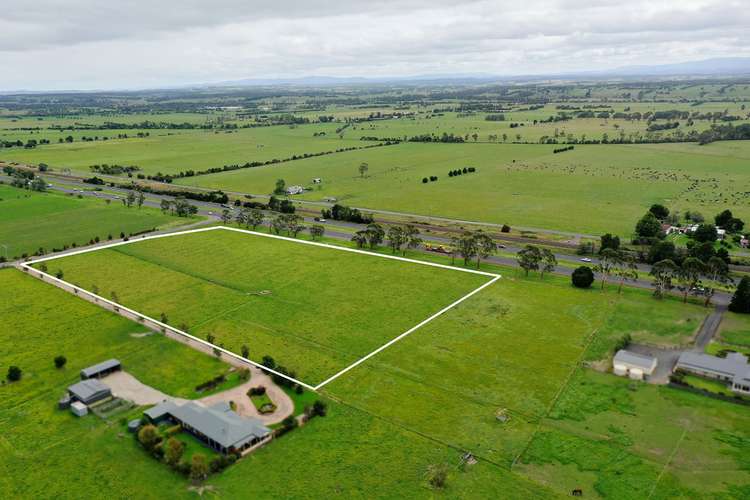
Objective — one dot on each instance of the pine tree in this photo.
(741, 299)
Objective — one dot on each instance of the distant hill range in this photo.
(727, 66)
(707, 68)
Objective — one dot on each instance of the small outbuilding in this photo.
(64, 402)
(101, 369)
(317, 180)
(79, 409)
(89, 391)
(635, 366)
(134, 425)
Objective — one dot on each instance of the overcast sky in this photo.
(90, 44)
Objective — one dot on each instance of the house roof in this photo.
(158, 411)
(99, 367)
(218, 422)
(734, 364)
(86, 389)
(631, 358)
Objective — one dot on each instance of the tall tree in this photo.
(375, 234)
(609, 241)
(454, 249)
(741, 299)
(413, 240)
(608, 259)
(467, 247)
(226, 216)
(660, 211)
(280, 188)
(130, 199)
(648, 227)
(548, 262)
(166, 205)
(317, 231)
(278, 225)
(689, 276)
(363, 168)
(396, 238)
(255, 218)
(529, 258)
(360, 238)
(723, 218)
(625, 269)
(241, 217)
(717, 273)
(663, 272)
(293, 224)
(141, 199)
(485, 245)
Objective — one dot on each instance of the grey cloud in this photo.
(86, 45)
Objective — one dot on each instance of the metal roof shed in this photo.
(632, 361)
(89, 391)
(101, 369)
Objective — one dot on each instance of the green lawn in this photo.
(735, 329)
(259, 401)
(592, 189)
(30, 220)
(314, 310)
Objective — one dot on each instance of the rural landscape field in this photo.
(375, 250)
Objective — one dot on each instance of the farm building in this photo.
(733, 369)
(635, 366)
(89, 391)
(79, 409)
(295, 190)
(317, 180)
(217, 426)
(101, 369)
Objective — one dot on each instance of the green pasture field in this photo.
(735, 329)
(21, 122)
(315, 310)
(592, 189)
(591, 128)
(505, 348)
(45, 452)
(31, 220)
(173, 151)
(615, 438)
(430, 397)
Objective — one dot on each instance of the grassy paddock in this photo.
(29, 220)
(621, 439)
(593, 189)
(314, 310)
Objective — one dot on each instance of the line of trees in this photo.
(688, 277)
(348, 214)
(179, 206)
(476, 245)
(228, 168)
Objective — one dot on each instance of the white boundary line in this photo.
(165, 326)
(407, 332)
(265, 235)
(27, 267)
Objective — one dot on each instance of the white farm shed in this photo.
(630, 364)
(79, 409)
